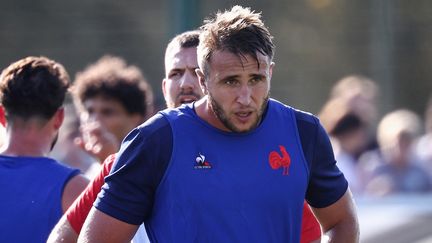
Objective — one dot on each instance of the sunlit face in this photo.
(111, 114)
(181, 82)
(238, 90)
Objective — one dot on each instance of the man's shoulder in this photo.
(301, 116)
(153, 124)
(178, 112)
(39, 162)
(305, 117)
(156, 129)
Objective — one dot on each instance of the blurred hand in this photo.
(97, 141)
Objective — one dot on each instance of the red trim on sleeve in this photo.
(311, 229)
(2, 117)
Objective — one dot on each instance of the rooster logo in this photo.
(276, 161)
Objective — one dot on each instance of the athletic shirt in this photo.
(78, 211)
(31, 201)
(220, 186)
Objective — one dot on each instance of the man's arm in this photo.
(69, 226)
(100, 227)
(72, 190)
(63, 232)
(339, 220)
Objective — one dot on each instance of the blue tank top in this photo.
(31, 190)
(229, 187)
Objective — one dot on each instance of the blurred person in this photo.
(360, 94)
(224, 178)
(179, 86)
(65, 150)
(349, 137)
(424, 145)
(36, 189)
(112, 98)
(392, 169)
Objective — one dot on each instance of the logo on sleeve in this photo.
(277, 161)
(201, 163)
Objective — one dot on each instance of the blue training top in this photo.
(31, 203)
(190, 182)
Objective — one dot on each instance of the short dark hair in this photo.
(188, 39)
(239, 30)
(112, 78)
(33, 87)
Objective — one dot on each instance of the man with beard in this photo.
(230, 167)
(35, 189)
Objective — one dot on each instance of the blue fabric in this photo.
(218, 201)
(31, 190)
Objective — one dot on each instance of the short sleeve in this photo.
(327, 183)
(128, 192)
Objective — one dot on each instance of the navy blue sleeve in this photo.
(128, 192)
(327, 183)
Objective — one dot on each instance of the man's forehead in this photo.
(182, 57)
(230, 59)
(101, 100)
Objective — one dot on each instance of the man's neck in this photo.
(205, 112)
(28, 141)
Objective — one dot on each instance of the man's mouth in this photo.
(243, 116)
(184, 99)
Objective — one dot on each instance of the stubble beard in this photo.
(53, 143)
(221, 115)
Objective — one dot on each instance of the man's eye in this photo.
(175, 75)
(107, 112)
(230, 82)
(255, 80)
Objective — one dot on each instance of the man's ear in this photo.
(58, 118)
(272, 64)
(201, 80)
(164, 91)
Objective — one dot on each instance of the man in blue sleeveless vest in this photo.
(35, 189)
(235, 166)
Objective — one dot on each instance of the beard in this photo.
(53, 143)
(222, 116)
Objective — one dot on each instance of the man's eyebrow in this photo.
(230, 77)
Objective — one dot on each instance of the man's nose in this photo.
(95, 116)
(188, 80)
(244, 95)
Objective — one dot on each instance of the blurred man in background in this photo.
(112, 98)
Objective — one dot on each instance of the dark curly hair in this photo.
(33, 87)
(110, 77)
